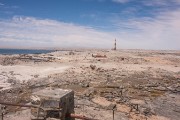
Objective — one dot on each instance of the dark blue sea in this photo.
(23, 51)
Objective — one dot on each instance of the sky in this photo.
(135, 24)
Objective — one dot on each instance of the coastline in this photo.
(152, 74)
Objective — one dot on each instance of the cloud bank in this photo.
(160, 32)
(151, 2)
(33, 32)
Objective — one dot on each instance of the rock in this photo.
(151, 85)
(85, 85)
(122, 58)
(122, 100)
(36, 76)
(92, 67)
(145, 111)
(177, 109)
(89, 92)
(171, 88)
(138, 86)
(160, 88)
(71, 53)
(121, 87)
(111, 107)
(178, 89)
(109, 96)
(118, 100)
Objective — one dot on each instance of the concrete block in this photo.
(53, 102)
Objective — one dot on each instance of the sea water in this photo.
(23, 51)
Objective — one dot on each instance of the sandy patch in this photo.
(123, 108)
(22, 73)
(101, 101)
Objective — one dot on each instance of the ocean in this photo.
(23, 51)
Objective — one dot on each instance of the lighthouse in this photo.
(115, 44)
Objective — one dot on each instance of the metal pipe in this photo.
(113, 114)
(29, 106)
(80, 117)
(20, 105)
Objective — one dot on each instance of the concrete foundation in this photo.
(53, 103)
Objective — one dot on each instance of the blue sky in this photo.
(136, 24)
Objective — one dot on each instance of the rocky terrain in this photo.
(135, 84)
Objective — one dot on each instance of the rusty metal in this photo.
(34, 106)
(11, 104)
(113, 114)
(134, 106)
(20, 105)
(99, 56)
(80, 117)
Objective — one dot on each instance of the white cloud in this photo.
(1, 4)
(161, 32)
(23, 31)
(160, 2)
(151, 2)
(121, 1)
(155, 2)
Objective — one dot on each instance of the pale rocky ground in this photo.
(149, 78)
